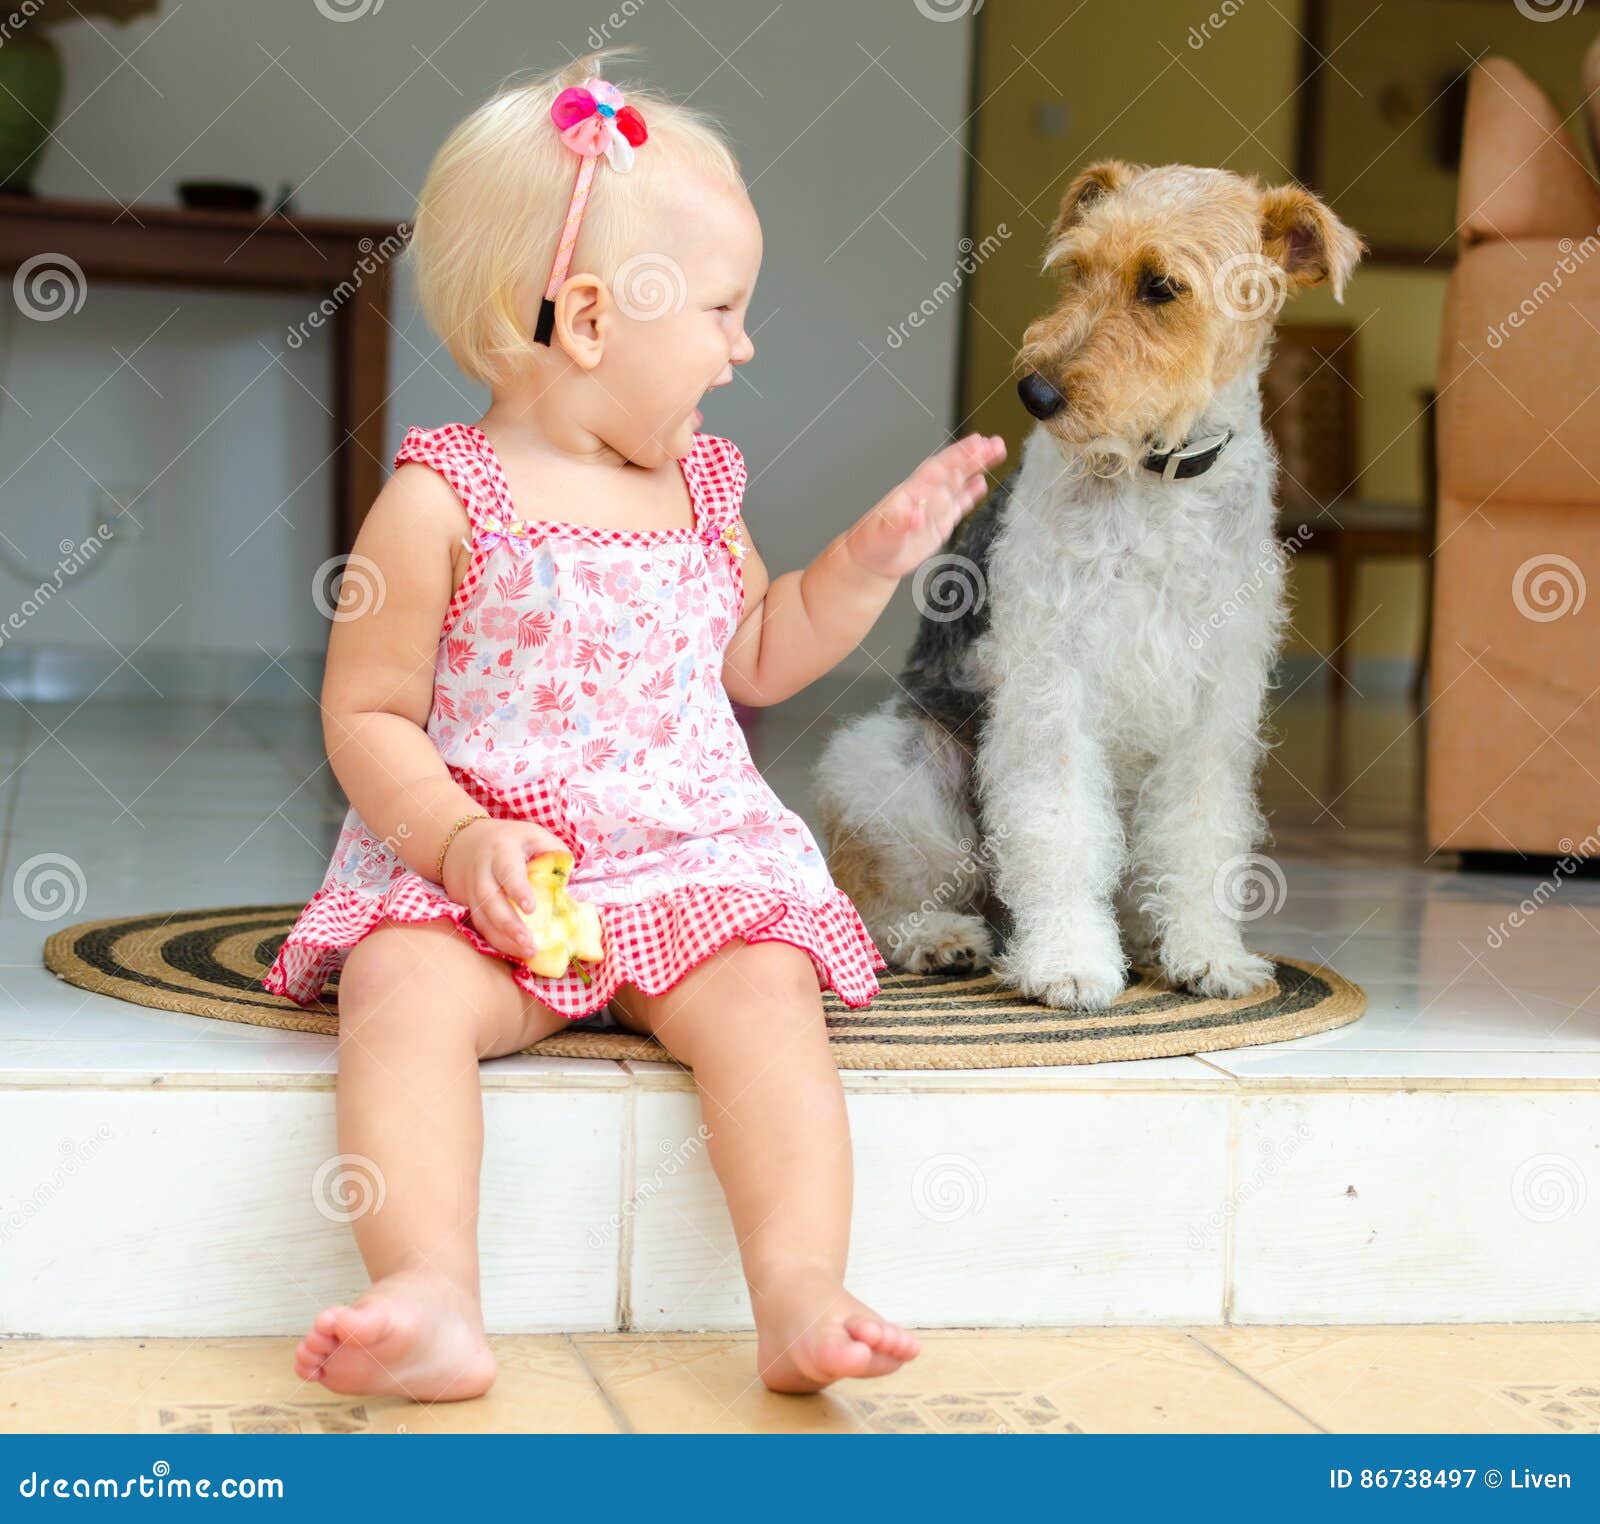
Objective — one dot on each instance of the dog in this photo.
(1065, 780)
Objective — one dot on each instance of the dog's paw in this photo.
(942, 942)
(1089, 989)
(1223, 976)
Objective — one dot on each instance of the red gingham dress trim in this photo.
(650, 945)
(650, 942)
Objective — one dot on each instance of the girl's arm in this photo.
(802, 624)
(377, 691)
(377, 687)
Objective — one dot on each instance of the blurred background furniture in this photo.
(1310, 402)
(341, 266)
(1513, 755)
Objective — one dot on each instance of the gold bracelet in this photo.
(466, 820)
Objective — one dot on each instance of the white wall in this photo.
(859, 190)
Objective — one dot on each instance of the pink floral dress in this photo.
(579, 684)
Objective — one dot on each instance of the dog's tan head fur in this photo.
(1171, 281)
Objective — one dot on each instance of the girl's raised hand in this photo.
(914, 520)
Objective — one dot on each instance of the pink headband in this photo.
(592, 120)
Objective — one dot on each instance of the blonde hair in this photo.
(491, 210)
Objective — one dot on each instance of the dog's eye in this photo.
(1156, 288)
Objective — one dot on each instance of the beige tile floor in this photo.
(1518, 1379)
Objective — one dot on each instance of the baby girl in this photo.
(565, 600)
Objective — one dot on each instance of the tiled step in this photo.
(184, 1182)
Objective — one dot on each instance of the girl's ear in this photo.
(583, 312)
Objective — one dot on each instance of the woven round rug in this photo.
(210, 963)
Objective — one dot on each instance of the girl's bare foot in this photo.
(813, 1333)
(410, 1335)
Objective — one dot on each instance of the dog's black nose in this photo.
(1039, 397)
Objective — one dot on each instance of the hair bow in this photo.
(593, 119)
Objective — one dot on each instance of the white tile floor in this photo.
(167, 805)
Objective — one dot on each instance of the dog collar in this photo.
(1189, 459)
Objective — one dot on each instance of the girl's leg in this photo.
(749, 1022)
(418, 1007)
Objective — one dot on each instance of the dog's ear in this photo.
(1090, 185)
(1307, 240)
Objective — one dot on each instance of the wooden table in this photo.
(340, 266)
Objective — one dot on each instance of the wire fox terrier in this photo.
(1067, 775)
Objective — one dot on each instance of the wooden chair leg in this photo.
(1346, 569)
(1419, 679)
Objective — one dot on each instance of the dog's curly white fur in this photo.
(1072, 754)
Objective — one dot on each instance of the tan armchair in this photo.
(1514, 716)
